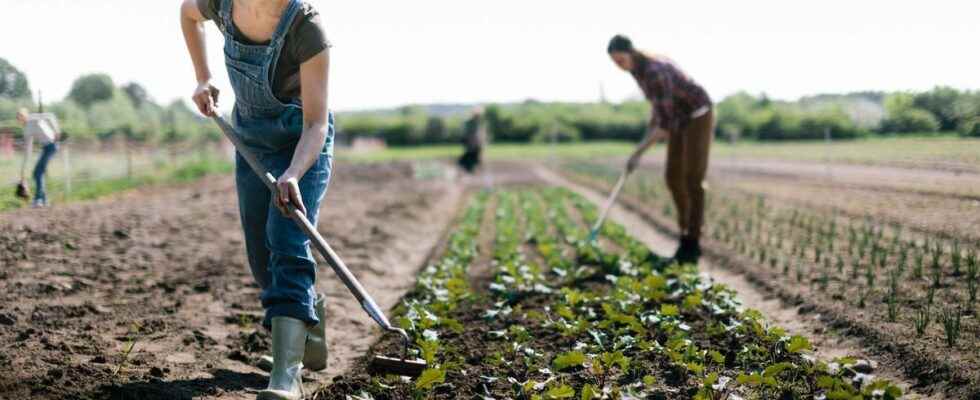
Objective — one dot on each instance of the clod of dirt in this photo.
(238, 355)
(202, 287)
(120, 234)
(157, 372)
(8, 319)
(254, 342)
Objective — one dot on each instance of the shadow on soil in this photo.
(152, 389)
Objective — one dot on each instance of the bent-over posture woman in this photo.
(682, 114)
(277, 57)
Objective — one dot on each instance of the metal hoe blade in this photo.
(402, 366)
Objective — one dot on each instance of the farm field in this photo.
(878, 263)
(933, 153)
(134, 297)
(493, 277)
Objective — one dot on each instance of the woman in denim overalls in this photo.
(294, 140)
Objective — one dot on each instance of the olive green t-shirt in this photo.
(304, 40)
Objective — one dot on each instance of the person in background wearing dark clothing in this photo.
(682, 114)
(474, 139)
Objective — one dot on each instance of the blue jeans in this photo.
(41, 168)
(278, 250)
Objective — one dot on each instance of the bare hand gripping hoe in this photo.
(397, 366)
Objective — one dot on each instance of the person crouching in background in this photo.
(44, 128)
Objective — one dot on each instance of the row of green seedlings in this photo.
(441, 288)
(807, 241)
(623, 333)
(811, 243)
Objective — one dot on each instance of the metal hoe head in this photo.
(23, 192)
(398, 366)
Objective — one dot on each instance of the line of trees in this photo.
(97, 110)
(741, 115)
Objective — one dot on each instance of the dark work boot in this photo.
(688, 252)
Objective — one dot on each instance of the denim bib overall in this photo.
(278, 252)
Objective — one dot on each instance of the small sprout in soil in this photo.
(870, 275)
(892, 309)
(951, 325)
(922, 318)
(930, 295)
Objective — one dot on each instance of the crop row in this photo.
(909, 278)
(563, 318)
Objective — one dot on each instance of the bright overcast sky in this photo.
(394, 52)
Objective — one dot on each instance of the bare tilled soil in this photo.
(147, 295)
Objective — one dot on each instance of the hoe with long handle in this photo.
(398, 366)
(609, 203)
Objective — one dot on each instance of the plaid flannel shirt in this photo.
(672, 93)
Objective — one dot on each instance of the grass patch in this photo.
(93, 189)
(904, 149)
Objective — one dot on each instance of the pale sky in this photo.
(393, 52)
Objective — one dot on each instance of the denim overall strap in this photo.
(279, 40)
(226, 21)
(265, 122)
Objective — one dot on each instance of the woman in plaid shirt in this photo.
(682, 114)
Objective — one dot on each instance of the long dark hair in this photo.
(623, 44)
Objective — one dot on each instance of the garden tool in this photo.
(609, 203)
(397, 366)
(23, 191)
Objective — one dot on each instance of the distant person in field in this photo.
(277, 56)
(682, 115)
(474, 139)
(44, 128)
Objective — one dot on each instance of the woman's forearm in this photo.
(653, 136)
(191, 23)
(314, 75)
(308, 149)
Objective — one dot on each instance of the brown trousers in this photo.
(687, 165)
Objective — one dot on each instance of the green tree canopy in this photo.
(90, 89)
(13, 82)
(137, 94)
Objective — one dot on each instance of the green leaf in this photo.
(825, 382)
(751, 380)
(453, 325)
(717, 357)
(774, 370)
(649, 380)
(692, 301)
(429, 349)
(568, 360)
(669, 310)
(798, 344)
(430, 377)
(560, 392)
(617, 358)
(711, 379)
(589, 392)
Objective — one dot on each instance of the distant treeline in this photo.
(741, 115)
(96, 109)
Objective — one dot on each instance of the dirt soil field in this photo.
(147, 295)
(940, 202)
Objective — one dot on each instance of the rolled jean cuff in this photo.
(299, 311)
